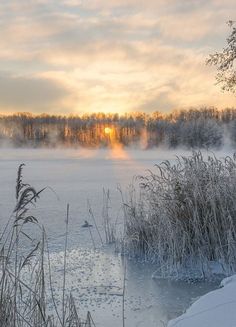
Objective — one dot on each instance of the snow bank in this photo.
(215, 309)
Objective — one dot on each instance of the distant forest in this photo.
(194, 128)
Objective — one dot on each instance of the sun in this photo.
(107, 130)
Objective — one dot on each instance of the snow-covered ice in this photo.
(215, 309)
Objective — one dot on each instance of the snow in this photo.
(215, 309)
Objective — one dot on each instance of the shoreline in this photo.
(214, 309)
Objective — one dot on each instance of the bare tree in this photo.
(194, 128)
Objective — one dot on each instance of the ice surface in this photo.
(94, 276)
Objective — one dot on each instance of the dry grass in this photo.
(185, 215)
(25, 273)
(108, 226)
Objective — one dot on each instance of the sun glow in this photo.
(107, 130)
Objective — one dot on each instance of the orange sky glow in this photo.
(80, 56)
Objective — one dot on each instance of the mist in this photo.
(205, 128)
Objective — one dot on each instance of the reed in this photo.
(108, 225)
(183, 216)
(25, 273)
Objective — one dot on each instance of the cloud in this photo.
(118, 55)
(28, 93)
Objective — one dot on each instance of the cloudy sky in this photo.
(77, 56)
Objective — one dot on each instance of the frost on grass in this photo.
(26, 292)
(184, 217)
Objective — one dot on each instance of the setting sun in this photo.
(107, 130)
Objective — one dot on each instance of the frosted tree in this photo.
(201, 133)
(225, 62)
(232, 131)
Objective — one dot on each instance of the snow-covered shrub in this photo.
(185, 215)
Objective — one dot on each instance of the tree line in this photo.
(194, 128)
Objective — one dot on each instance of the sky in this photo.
(80, 56)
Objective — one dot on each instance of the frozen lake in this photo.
(94, 276)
